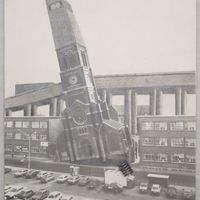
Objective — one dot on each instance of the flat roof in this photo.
(157, 176)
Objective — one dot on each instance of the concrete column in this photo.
(183, 102)
(128, 110)
(60, 107)
(53, 107)
(104, 95)
(27, 110)
(8, 112)
(159, 102)
(34, 110)
(76, 150)
(109, 98)
(134, 112)
(178, 100)
(152, 103)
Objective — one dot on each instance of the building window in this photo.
(83, 130)
(160, 126)
(18, 136)
(18, 124)
(177, 142)
(8, 148)
(190, 126)
(43, 137)
(147, 126)
(43, 150)
(148, 156)
(9, 135)
(25, 124)
(18, 148)
(84, 59)
(176, 126)
(9, 124)
(190, 142)
(35, 125)
(177, 158)
(34, 149)
(25, 149)
(154, 141)
(34, 136)
(190, 159)
(161, 157)
(25, 136)
(43, 124)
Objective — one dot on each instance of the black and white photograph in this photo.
(100, 100)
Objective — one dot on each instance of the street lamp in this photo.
(29, 146)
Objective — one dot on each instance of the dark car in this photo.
(93, 184)
(40, 195)
(143, 188)
(25, 194)
(84, 180)
(73, 180)
(7, 170)
(113, 187)
(31, 173)
(171, 192)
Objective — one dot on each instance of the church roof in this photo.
(113, 124)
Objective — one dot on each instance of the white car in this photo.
(7, 188)
(156, 189)
(14, 191)
(68, 197)
(42, 174)
(54, 196)
(20, 172)
(62, 178)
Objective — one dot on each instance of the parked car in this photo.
(113, 187)
(54, 196)
(156, 189)
(7, 188)
(20, 172)
(40, 195)
(62, 178)
(7, 170)
(143, 188)
(47, 178)
(84, 180)
(93, 184)
(42, 174)
(188, 193)
(73, 180)
(31, 173)
(25, 194)
(68, 197)
(171, 192)
(14, 191)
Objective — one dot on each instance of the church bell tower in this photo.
(82, 118)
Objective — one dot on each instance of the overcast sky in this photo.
(122, 36)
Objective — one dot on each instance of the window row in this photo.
(173, 126)
(163, 157)
(174, 142)
(26, 124)
(25, 149)
(25, 136)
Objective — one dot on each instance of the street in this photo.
(79, 193)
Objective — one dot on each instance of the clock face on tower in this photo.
(79, 116)
(73, 80)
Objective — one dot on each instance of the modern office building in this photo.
(167, 142)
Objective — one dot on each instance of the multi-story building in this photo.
(38, 133)
(167, 142)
